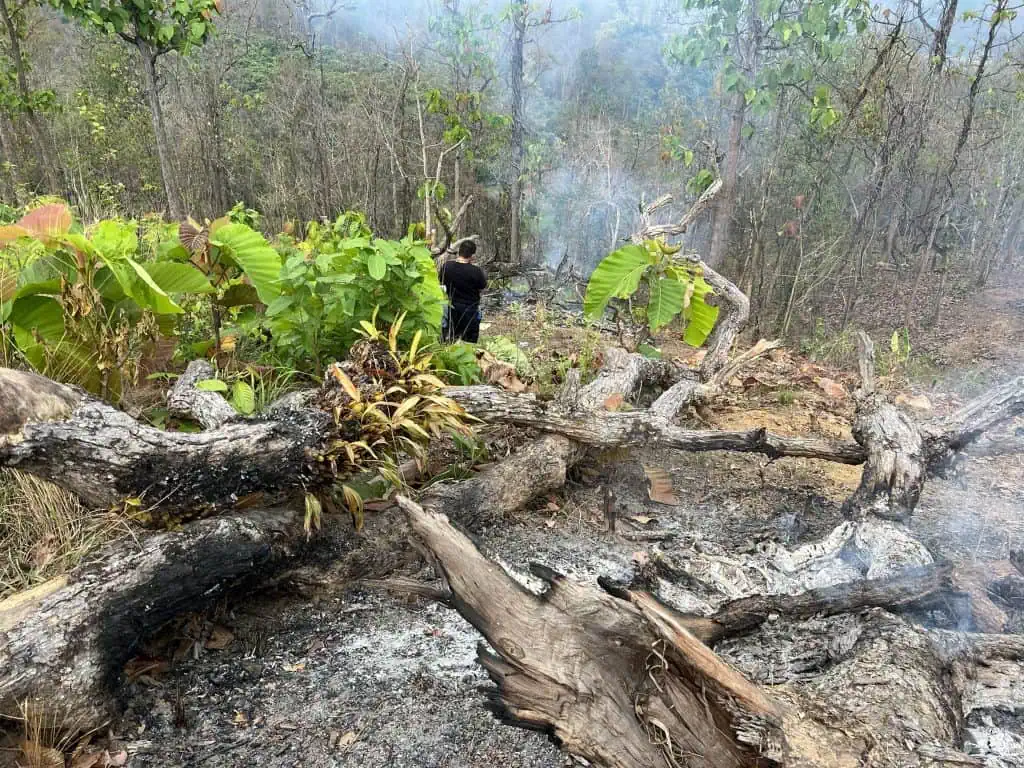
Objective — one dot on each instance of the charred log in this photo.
(620, 680)
(63, 650)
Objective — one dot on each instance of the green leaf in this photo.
(701, 317)
(651, 353)
(250, 250)
(174, 278)
(618, 275)
(148, 294)
(114, 239)
(41, 314)
(667, 296)
(243, 398)
(376, 264)
(243, 295)
(212, 385)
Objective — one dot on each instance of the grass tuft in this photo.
(45, 531)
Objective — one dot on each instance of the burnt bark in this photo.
(63, 647)
(620, 680)
(106, 457)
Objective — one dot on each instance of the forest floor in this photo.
(350, 677)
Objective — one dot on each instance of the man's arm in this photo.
(481, 279)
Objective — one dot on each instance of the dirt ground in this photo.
(365, 679)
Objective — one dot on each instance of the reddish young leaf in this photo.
(47, 221)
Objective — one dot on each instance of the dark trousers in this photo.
(463, 324)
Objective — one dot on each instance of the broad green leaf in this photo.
(41, 314)
(618, 275)
(665, 303)
(212, 385)
(376, 265)
(701, 319)
(148, 294)
(243, 398)
(242, 295)
(174, 278)
(250, 250)
(114, 239)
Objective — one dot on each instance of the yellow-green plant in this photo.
(386, 404)
(79, 304)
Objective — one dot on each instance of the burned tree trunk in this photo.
(63, 648)
(100, 453)
(620, 679)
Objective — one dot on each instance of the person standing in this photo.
(463, 281)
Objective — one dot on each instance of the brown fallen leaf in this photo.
(641, 519)
(145, 670)
(614, 402)
(660, 489)
(294, 667)
(833, 389)
(220, 638)
(347, 740)
(914, 402)
(552, 507)
(240, 720)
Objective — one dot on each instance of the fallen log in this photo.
(100, 453)
(640, 428)
(913, 587)
(186, 400)
(63, 651)
(623, 683)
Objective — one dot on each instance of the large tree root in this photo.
(621, 681)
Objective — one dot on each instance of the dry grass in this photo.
(45, 531)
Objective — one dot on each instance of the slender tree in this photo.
(21, 99)
(154, 28)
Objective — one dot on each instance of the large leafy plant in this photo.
(241, 265)
(79, 303)
(341, 275)
(673, 286)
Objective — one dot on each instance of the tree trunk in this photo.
(45, 155)
(520, 10)
(620, 680)
(725, 205)
(106, 457)
(175, 207)
(63, 647)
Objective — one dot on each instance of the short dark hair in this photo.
(467, 249)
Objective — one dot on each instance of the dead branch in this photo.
(640, 428)
(186, 401)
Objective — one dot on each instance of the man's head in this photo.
(467, 250)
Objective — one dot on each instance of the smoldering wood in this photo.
(621, 681)
(913, 587)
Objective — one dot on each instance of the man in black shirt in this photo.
(463, 281)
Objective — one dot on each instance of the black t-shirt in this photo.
(463, 283)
